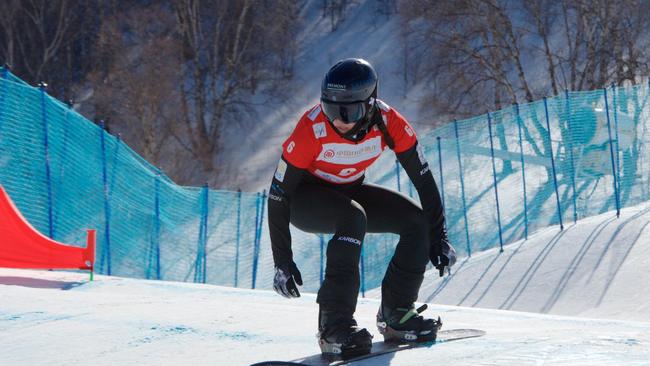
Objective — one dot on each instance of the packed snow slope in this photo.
(59, 318)
(595, 268)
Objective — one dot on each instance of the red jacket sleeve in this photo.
(400, 130)
(301, 148)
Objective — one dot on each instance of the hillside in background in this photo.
(186, 83)
(250, 156)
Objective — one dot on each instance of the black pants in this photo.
(349, 212)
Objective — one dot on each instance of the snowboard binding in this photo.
(340, 336)
(407, 325)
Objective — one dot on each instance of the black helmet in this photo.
(348, 92)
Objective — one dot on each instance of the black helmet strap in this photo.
(379, 121)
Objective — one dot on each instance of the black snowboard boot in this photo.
(406, 325)
(338, 334)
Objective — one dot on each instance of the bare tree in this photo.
(543, 13)
(594, 43)
(475, 46)
(44, 40)
(8, 39)
(386, 8)
(136, 87)
(201, 64)
(335, 10)
(230, 49)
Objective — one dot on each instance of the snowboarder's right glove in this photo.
(286, 278)
(442, 256)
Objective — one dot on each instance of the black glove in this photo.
(286, 278)
(442, 256)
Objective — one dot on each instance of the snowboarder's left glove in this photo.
(442, 256)
(286, 278)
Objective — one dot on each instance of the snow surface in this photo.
(597, 268)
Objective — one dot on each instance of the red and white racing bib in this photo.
(315, 146)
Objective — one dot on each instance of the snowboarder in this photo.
(319, 187)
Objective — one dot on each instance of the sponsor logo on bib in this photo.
(329, 154)
(348, 154)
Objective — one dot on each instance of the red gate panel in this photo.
(22, 246)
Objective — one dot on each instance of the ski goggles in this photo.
(348, 112)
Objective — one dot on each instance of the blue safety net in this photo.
(502, 175)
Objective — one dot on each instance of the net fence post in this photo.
(462, 189)
(154, 247)
(237, 239)
(550, 143)
(258, 234)
(618, 147)
(257, 223)
(523, 168)
(106, 253)
(157, 227)
(261, 226)
(206, 215)
(201, 260)
(46, 147)
(571, 158)
(494, 175)
(611, 152)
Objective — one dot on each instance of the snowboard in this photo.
(378, 348)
